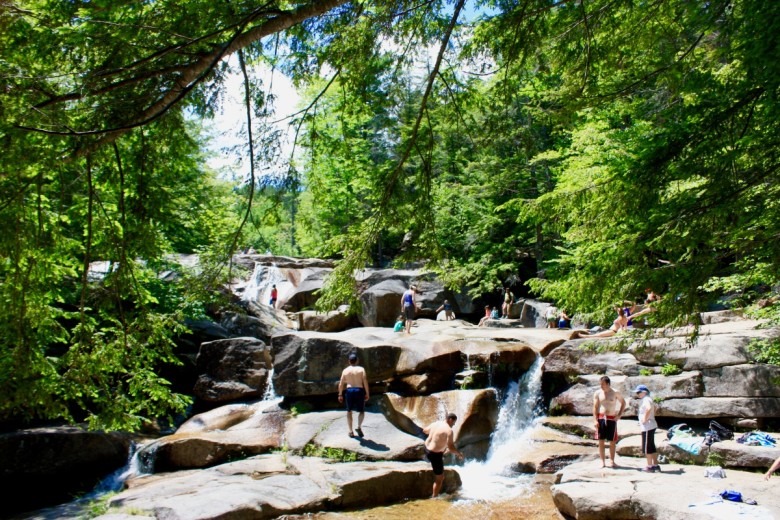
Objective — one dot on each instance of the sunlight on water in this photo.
(259, 287)
(495, 478)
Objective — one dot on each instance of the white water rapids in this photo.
(494, 478)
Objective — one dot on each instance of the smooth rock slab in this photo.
(713, 407)
(233, 431)
(268, 486)
(382, 440)
(585, 491)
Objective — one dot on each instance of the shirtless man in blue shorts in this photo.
(353, 388)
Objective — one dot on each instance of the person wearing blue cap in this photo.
(647, 424)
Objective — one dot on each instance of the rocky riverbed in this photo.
(249, 457)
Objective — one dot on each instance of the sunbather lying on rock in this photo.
(620, 324)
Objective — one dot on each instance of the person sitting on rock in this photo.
(447, 308)
(485, 317)
(494, 314)
(399, 324)
(620, 324)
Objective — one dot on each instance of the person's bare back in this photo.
(354, 377)
(439, 436)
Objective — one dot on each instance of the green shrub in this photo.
(645, 372)
(765, 350)
(341, 455)
(300, 407)
(715, 459)
(670, 369)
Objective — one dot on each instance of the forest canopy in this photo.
(582, 150)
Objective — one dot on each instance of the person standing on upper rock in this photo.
(440, 440)
(353, 387)
(508, 299)
(608, 407)
(409, 306)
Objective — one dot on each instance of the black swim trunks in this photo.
(355, 397)
(437, 461)
(607, 428)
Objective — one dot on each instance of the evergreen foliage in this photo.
(588, 149)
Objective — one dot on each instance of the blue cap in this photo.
(353, 357)
(641, 388)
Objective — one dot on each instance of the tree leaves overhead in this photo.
(588, 149)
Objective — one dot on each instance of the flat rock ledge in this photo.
(271, 485)
(586, 491)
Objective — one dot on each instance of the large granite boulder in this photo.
(310, 363)
(232, 369)
(729, 454)
(208, 439)
(570, 359)
(754, 380)
(333, 321)
(199, 331)
(264, 327)
(269, 486)
(578, 400)
(477, 412)
(381, 298)
(707, 352)
(44, 466)
(714, 407)
(585, 491)
(301, 289)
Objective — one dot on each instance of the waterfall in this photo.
(520, 408)
(139, 462)
(270, 393)
(258, 288)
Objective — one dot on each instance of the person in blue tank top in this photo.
(408, 307)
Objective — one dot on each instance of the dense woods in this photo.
(581, 150)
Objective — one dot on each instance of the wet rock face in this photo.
(45, 466)
(232, 369)
(477, 412)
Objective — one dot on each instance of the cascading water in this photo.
(141, 458)
(139, 462)
(520, 408)
(258, 288)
